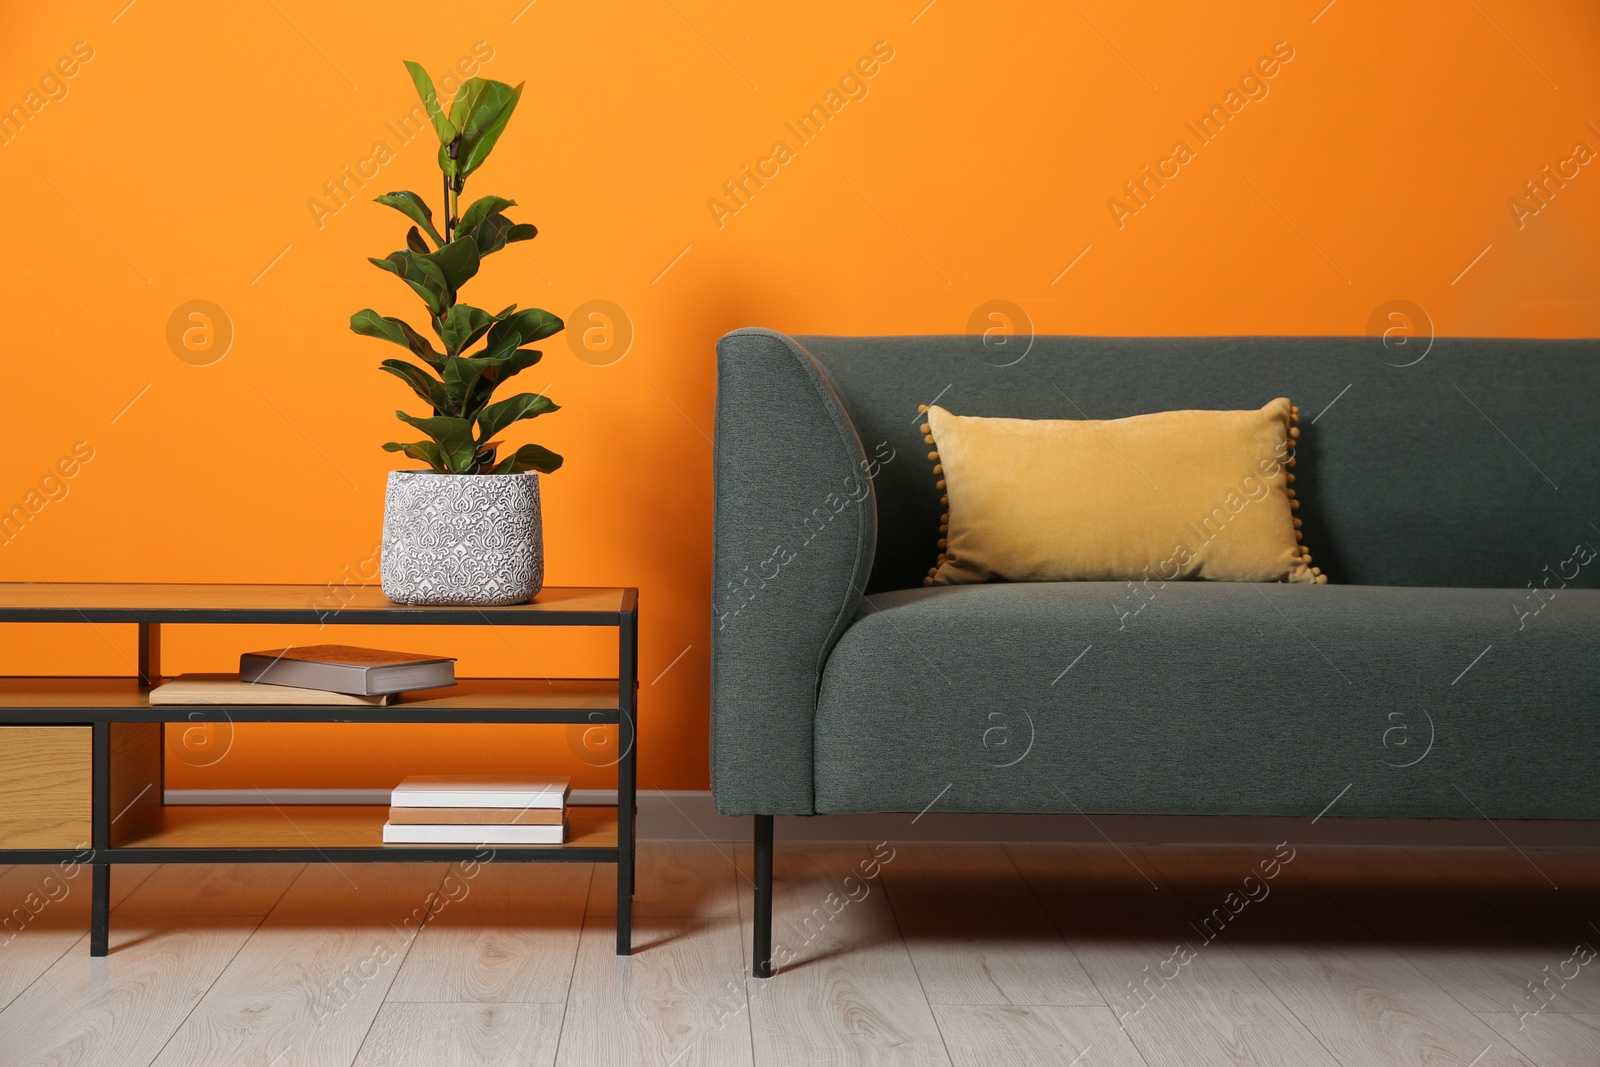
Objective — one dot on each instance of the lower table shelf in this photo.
(343, 829)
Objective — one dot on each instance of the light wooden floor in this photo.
(953, 954)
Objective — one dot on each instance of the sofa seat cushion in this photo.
(1214, 699)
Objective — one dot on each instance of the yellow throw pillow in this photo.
(1176, 494)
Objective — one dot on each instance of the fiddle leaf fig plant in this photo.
(456, 383)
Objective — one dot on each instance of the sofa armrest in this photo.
(796, 527)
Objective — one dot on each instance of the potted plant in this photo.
(466, 530)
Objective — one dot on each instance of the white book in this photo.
(457, 791)
(474, 835)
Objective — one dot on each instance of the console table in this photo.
(81, 758)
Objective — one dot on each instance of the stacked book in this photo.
(428, 810)
(314, 674)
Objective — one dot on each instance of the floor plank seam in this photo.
(476, 1003)
(746, 951)
(1376, 939)
(1515, 1048)
(176, 1030)
(137, 885)
(916, 972)
(6, 1006)
(577, 950)
(1060, 935)
(1121, 1021)
(46, 969)
(1395, 949)
(1272, 992)
(361, 1046)
(88, 1026)
(1244, 959)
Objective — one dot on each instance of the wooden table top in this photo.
(156, 602)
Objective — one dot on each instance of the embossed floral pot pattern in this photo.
(472, 540)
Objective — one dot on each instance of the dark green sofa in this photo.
(1449, 668)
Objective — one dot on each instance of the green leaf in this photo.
(523, 328)
(499, 346)
(430, 99)
(415, 242)
(453, 435)
(483, 462)
(529, 458)
(426, 451)
(369, 323)
(414, 208)
(466, 101)
(425, 385)
(463, 325)
(481, 209)
(497, 416)
(485, 122)
(422, 275)
(497, 231)
(499, 372)
(516, 363)
(495, 371)
(461, 377)
(490, 234)
(456, 261)
(457, 113)
(471, 380)
(446, 164)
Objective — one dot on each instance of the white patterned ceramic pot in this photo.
(470, 540)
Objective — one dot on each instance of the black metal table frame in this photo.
(101, 856)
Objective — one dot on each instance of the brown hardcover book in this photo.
(348, 669)
(476, 816)
(222, 689)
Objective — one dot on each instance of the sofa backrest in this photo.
(1478, 464)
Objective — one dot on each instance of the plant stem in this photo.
(452, 190)
(446, 178)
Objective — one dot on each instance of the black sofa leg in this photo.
(762, 955)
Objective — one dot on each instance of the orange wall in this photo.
(177, 165)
